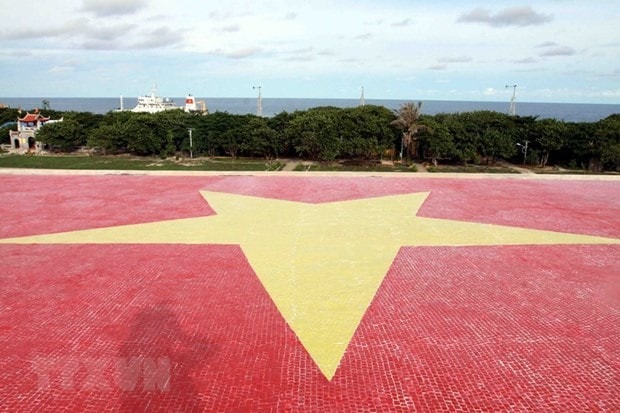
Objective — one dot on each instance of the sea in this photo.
(570, 112)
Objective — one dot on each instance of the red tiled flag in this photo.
(190, 327)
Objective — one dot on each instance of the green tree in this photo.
(171, 126)
(436, 141)
(7, 123)
(498, 143)
(232, 141)
(4, 134)
(482, 134)
(577, 150)
(314, 133)
(279, 123)
(209, 132)
(261, 139)
(608, 131)
(366, 131)
(87, 121)
(109, 137)
(523, 130)
(142, 137)
(65, 136)
(496, 135)
(407, 119)
(548, 136)
(464, 137)
(8, 115)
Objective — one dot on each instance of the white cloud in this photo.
(558, 51)
(547, 44)
(612, 74)
(333, 43)
(242, 53)
(402, 23)
(611, 93)
(438, 66)
(61, 69)
(455, 59)
(300, 58)
(84, 33)
(106, 8)
(28, 32)
(526, 60)
(364, 36)
(231, 28)
(514, 16)
(160, 37)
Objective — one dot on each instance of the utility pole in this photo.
(259, 101)
(513, 101)
(524, 150)
(191, 144)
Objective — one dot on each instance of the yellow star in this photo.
(321, 263)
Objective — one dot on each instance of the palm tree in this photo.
(407, 121)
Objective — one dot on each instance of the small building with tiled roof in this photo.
(23, 140)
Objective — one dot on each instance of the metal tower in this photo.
(259, 101)
(513, 101)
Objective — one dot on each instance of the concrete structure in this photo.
(23, 140)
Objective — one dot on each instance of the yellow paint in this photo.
(321, 263)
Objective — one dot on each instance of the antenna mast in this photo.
(513, 101)
(259, 101)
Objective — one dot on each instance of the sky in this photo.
(553, 50)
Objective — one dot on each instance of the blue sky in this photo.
(554, 50)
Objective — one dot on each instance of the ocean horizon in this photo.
(570, 112)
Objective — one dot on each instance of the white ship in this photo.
(153, 104)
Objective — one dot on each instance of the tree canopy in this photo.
(328, 133)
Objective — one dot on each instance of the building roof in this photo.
(33, 117)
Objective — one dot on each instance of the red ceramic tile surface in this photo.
(190, 328)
